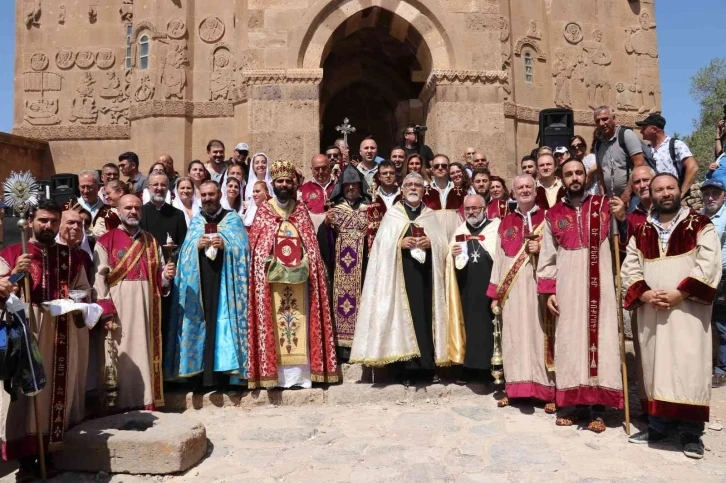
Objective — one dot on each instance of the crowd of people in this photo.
(241, 273)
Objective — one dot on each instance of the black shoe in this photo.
(718, 381)
(693, 447)
(647, 436)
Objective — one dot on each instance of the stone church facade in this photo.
(99, 77)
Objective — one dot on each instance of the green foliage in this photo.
(708, 87)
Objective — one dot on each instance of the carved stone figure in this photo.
(211, 29)
(38, 61)
(65, 59)
(641, 42)
(105, 58)
(573, 33)
(503, 29)
(596, 59)
(176, 28)
(42, 82)
(173, 73)
(222, 77)
(562, 71)
(92, 14)
(84, 108)
(114, 100)
(42, 112)
(85, 58)
(111, 87)
(62, 14)
(127, 11)
(627, 98)
(533, 31)
(32, 13)
(145, 90)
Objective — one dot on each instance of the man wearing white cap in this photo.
(241, 157)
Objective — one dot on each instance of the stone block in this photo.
(267, 39)
(255, 19)
(138, 442)
(464, 6)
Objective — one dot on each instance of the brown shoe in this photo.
(718, 380)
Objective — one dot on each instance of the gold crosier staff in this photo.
(21, 194)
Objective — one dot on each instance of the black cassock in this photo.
(210, 272)
(160, 222)
(419, 288)
(473, 281)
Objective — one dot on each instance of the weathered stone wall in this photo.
(251, 70)
(20, 154)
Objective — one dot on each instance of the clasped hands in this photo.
(210, 241)
(663, 299)
(411, 242)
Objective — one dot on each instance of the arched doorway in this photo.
(374, 66)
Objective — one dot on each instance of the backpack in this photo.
(648, 154)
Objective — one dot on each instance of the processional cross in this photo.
(345, 129)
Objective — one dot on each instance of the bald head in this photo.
(71, 228)
(129, 211)
(479, 161)
(321, 168)
(168, 163)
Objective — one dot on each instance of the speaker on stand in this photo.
(63, 187)
(556, 127)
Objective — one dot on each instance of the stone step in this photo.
(342, 394)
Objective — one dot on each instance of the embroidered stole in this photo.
(146, 244)
(593, 305)
(59, 396)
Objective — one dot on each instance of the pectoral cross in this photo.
(345, 129)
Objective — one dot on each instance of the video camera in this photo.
(420, 129)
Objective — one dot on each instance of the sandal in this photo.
(566, 420)
(503, 402)
(597, 425)
(550, 408)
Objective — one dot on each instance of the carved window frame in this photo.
(128, 57)
(528, 61)
(144, 41)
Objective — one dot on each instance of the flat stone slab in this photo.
(137, 442)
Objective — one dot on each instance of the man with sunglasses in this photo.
(316, 192)
(412, 146)
(443, 197)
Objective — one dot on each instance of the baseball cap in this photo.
(713, 183)
(561, 150)
(652, 120)
(242, 147)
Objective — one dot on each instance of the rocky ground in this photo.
(441, 433)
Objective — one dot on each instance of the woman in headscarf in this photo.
(260, 171)
(260, 194)
(185, 199)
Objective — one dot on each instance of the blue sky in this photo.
(690, 34)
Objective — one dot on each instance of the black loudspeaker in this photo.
(62, 194)
(556, 127)
(64, 180)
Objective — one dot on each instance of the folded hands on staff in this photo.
(663, 299)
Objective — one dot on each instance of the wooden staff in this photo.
(621, 323)
(23, 225)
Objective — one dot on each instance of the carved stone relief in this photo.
(532, 38)
(42, 82)
(92, 14)
(62, 15)
(85, 58)
(115, 99)
(105, 58)
(42, 112)
(127, 11)
(83, 108)
(562, 71)
(222, 77)
(503, 29)
(38, 61)
(573, 33)
(641, 43)
(211, 29)
(627, 97)
(506, 56)
(32, 13)
(533, 31)
(594, 61)
(176, 28)
(65, 59)
(145, 91)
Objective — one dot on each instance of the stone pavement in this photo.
(444, 438)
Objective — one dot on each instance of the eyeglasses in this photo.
(409, 132)
(578, 146)
(413, 185)
(440, 166)
(332, 155)
(481, 159)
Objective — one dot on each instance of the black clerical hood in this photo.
(350, 175)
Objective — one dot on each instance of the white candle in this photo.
(47, 192)
(529, 221)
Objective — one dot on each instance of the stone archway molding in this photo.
(426, 16)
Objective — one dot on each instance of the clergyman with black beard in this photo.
(469, 266)
(165, 222)
(575, 267)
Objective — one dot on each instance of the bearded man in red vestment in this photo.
(290, 326)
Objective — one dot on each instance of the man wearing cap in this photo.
(561, 154)
(714, 194)
(241, 158)
(290, 327)
(671, 155)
